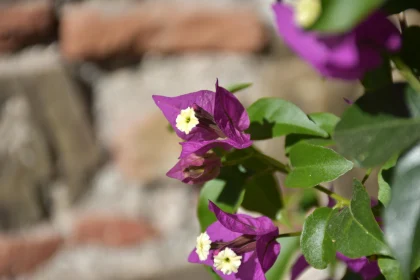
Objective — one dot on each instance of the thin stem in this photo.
(341, 200)
(279, 166)
(407, 73)
(290, 234)
(366, 175)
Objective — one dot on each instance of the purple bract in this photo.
(206, 119)
(250, 240)
(346, 56)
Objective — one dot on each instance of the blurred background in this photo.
(83, 148)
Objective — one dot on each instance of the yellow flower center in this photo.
(227, 261)
(203, 246)
(186, 120)
(307, 12)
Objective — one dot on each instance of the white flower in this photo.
(227, 261)
(186, 120)
(203, 246)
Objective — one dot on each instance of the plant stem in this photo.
(339, 198)
(290, 234)
(279, 166)
(407, 73)
(366, 175)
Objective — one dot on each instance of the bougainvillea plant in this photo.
(282, 234)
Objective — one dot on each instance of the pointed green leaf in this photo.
(316, 244)
(274, 117)
(312, 165)
(238, 87)
(355, 230)
(377, 127)
(384, 177)
(402, 217)
(390, 268)
(412, 99)
(326, 121)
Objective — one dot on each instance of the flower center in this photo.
(186, 120)
(203, 246)
(227, 261)
(307, 12)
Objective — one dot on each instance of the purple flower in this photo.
(346, 56)
(195, 169)
(367, 268)
(237, 246)
(206, 119)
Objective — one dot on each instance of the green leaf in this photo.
(377, 127)
(289, 246)
(402, 217)
(238, 87)
(384, 176)
(262, 195)
(354, 229)
(274, 117)
(313, 165)
(316, 244)
(213, 274)
(326, 121)
(412, 98)
(390, 268)
(339, 16)
(227, 192)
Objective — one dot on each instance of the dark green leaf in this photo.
(354, 229)
(289, 246)
(377, 127)
(238, 87)
(262, 195)
(384, 177)
(339, 16)
(316, 244)
(274, 117)
(313, 165)
(326, 121)
(227, 192)
(402, 217)
(390, 268)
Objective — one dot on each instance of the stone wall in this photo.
(83, 149)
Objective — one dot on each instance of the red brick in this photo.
(25, 23)
(111, 231)
(89, 32)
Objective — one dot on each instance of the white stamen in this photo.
(186, 120)
(307, 12)
(203, 246)
(227, 261)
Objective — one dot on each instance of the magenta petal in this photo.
(243, 223)
(203, 147)
(298, 267)
(366, 268)
(172, 106)
(250, 268)
(268, 250)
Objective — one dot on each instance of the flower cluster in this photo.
(346, 55)
(204, 120)
(237, 246)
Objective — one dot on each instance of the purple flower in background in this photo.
(367, 268)
(195, 169)
(237, 246)
(206, 119)
(346, 56)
